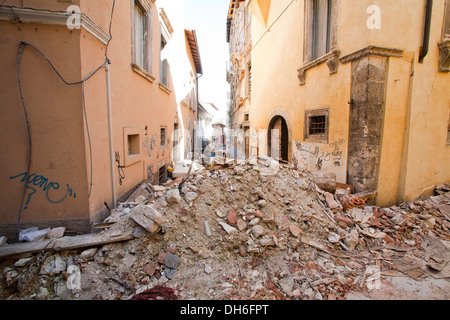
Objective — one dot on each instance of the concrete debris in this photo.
(3, 241)
(33, 234)
(247, 230)
(207, 228)
(190, 196)
(56, 233)
(257, 231)
(334, 238)
(295, 231)
(88, 254)
(173, 196)
(229, 229)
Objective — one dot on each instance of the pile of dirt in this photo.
(258, 230)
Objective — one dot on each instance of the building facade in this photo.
(91, 97)
(239, 73)
(359, 88)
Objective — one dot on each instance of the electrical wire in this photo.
(22, 47)
(110, 30)
(27, 121)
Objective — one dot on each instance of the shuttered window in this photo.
(142, 36)
(139, 36)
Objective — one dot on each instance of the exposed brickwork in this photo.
(366, 121)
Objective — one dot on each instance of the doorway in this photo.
(278, 139)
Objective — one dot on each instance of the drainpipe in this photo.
(426, 31)
(111, 146)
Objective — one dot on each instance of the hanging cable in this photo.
(27, 121)
(22, 47)
(110, 30)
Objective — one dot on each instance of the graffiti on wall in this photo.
(310, 156)
(149, 144)
(53, 191)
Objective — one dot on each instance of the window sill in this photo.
(143, 73)
(316, 140)
(164, 88)
(332, 60)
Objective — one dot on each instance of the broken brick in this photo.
(331, 202)
(258, 214)
(149, 269)
(389, 240)
(172, 249)
(349, 222)
(162, 257)
(232, 217)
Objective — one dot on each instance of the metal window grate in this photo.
(163, 137)
(162, 175)
(317, 124)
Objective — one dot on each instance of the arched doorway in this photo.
(278, 139)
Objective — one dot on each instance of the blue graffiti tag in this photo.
(45, 185)
(149, 145)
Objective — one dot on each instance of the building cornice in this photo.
(372, 50)
(59, 18)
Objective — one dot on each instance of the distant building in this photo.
(359, 88)
(207, 116)
(239, 73)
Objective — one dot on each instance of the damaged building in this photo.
(332, 85)
(98, 96)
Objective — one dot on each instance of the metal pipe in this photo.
(426, 31)
(111, 145)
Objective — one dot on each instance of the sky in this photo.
(208, 18)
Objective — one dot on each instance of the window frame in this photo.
(318, 138)
(162, 142)
(144, 67)
(311, 27)
(134, 157)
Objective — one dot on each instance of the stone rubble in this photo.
(256, 230)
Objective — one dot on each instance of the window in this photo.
(141, 37)
(163, 137)
(165, 35)
(238, 35)
(164, 68)
(162, 175)
(249, 80)
(444, 46)
(320, 28)
(133, 145)
(165, 72)
(192, 102)
(316, 125)
(446, 25)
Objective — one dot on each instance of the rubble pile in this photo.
(253, 230)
